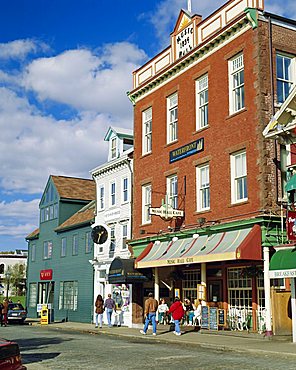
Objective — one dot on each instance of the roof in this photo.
(120, 132)
(33, 235)
(83, 216)
(75, 188)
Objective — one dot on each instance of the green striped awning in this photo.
(283, 264)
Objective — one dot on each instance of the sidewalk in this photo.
(222, 340)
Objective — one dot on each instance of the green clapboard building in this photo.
(58, 272)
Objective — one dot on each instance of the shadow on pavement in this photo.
(29, 358)
(34, 343)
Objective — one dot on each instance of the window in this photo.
(112, 239)
(284, 76)
(125, 189)
(146, 203)
(47, 250)
(113, 148)
(189, 282)
(75, 245)
(55, 210)
(172, 191)
(172, 118)
(202, 102)
(33, 252)
(2, 268)
(68, 295)
(236, 84)
(88, 242)
(124, 236)
(63, 247)
(203, 187)
(112, 194)
(101, 197)
(239, 289)
(239, 190)
(33, 295)
(147, 131)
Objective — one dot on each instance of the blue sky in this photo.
(65, 68)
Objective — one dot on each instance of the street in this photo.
(51, 348)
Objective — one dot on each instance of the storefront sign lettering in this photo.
(184, 41)
(278, 274)
(46, 274)
(187, 150)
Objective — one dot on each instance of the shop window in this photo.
(68, 295)
(239, 289)
(189, 284)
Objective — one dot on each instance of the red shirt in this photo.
(177, 310)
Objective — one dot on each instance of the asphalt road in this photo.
(44, 348)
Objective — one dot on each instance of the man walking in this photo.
(151, 305)
(109, 306)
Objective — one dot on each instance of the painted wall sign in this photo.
(184, 41)
(114, 214)
(46, 274)
(187, 150)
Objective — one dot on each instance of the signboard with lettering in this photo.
(280, 274)
(184, 41)
(204, 317)
(187, 150)
(221, 317)
(46, 274)
(166, 211)
(213, 319)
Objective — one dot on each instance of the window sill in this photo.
(200, 212)
(238, 203)
(144, 155)
(199, 130)
(171, 143)
(231, 115)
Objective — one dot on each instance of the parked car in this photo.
(10, 358)
(16, 312)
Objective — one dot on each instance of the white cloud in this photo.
(19, 49)
(87, 81)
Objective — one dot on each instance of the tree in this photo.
(15, 277)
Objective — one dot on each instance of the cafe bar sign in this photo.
(166, 211)
(187, 150)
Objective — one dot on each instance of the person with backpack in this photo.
(177, 312)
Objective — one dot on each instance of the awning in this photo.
(291, 184)
(283, 264)
(243, 244)
(122, 271)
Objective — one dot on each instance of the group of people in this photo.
(187, 311)
(109, 305)
(4, 312)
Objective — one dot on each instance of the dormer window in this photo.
(113, 148)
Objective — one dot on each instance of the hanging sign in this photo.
(166, 211)
(291, 225)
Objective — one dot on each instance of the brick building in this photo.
(208, 189)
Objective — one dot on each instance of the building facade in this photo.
(209, 190)
(58, 272)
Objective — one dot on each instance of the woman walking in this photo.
(177, 312)
(99, 310)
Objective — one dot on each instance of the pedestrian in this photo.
(162, 311)
(1, 315)
(189, 312)
(5, 311)
(99, 310)
(151, 305)
(177, 312)
(109, 306)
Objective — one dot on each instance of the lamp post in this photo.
(7, 275)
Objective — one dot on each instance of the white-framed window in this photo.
(172, 118)
(239, 188)
(75, 245)
(112, 193)
(202, 102)
(124, 189)
(63, 247)
(203, 187)
(147, 131)
(88, 242)
(47, 250)
(124, 236)
(172, 190)
(236, 84)
(33, 295)
(68, 295)
(112, 239)
(101, 197)
(33, 252)
(285, 67)
(146, 203)
(113, 147)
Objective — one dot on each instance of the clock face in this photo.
(99, 234)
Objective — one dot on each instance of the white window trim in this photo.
(293, 70)
(234, 194)
(146, 135)
(110, 198)
(100, 198)
(198, 92)
(231, 72)
(122, 193)
(199, 188)
(172, 197)
(124, 236)
(113, 149)
(170, 139)
(144, 204)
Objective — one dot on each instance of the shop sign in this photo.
(114, 214)
(187, 150)
(184, 41)
(291, 225)
(166, 211)
(280, 274)
(46, 274)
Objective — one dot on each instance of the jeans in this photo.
(99, 316)
(177, 326)
(109, 315)
(150, 317)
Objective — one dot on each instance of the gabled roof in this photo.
(33, 235)
(75, 188)
(120, 132)
(84, 216)
(283, 123)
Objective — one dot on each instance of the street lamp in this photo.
(7, 276)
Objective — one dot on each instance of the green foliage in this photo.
(15, 276)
